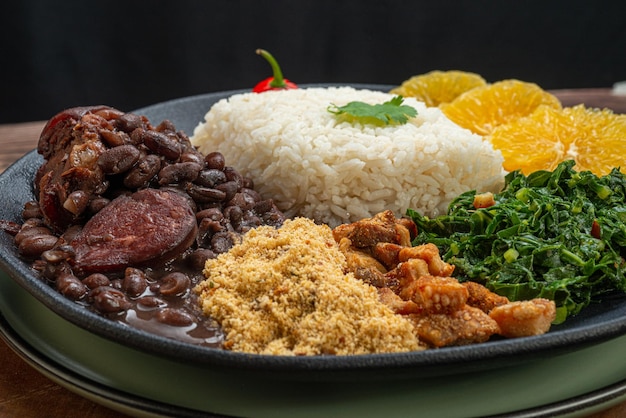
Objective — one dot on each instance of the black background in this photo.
(129, 54)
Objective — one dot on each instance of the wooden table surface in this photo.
(24, 392)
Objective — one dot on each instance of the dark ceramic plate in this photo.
(597, 328)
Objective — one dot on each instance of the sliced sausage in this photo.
(148, 227)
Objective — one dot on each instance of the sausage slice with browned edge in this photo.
(150, 226)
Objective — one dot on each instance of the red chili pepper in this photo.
(276, 82)
(596, 231)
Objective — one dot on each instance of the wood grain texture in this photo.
(17, 140)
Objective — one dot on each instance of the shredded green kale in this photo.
(559, 235)
(388, 113)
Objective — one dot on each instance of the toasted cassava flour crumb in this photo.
(284, 291)
(312, 164)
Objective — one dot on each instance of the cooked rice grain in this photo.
(312, 165)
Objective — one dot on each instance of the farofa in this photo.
(284, 292)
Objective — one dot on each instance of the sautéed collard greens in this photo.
(556, 234)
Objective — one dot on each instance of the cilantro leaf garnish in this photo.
(391, 112)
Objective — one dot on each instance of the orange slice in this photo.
(482, 109)
(595, 139)
(438, 87)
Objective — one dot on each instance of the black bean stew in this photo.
(127, 214)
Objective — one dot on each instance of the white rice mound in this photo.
(313, 165)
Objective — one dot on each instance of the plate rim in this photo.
(593, 401)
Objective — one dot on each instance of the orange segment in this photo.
(484, 108)
(594, 138)
(438, 87)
